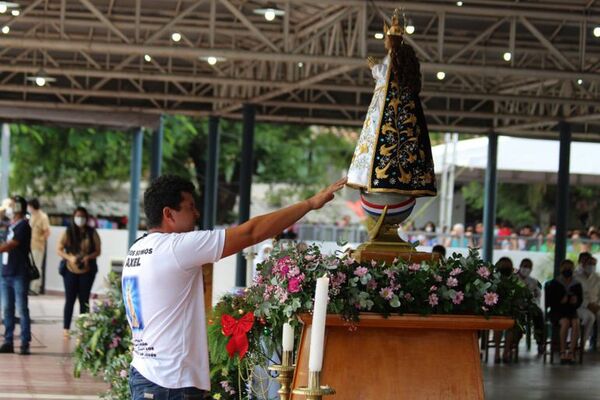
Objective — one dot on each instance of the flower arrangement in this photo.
(103, 341)
(284, 286)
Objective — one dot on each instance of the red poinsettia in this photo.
(237, 329)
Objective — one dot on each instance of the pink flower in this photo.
(258, 279)
(456, 271)
(452, 282)
(361, 271)
(338, 279)
(389, 273)
(458, 297)
(294, 271)
(414, 267)
(123, 373)
(395, 260)
(483, 272)
(309, 257)
(387, 293)
(284, 271)
(373, 263)
(490, 298)
(281, 294)
(433, 299)
(408, 297)
(433, 288)
(349, 261)
(372, 284)
(294, 285)
(437, 278)
(115, 342)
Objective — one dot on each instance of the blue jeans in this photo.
(142, 389)
(14, 291)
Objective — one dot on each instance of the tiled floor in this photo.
(48, 373)
(531, 379)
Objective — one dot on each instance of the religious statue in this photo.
(392, 162)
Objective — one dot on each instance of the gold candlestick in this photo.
(285, 373)
(314, 390)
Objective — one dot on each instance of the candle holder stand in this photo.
(314, 390)
(285, 374)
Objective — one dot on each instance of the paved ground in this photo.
(48, 372)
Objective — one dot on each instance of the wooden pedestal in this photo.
(403, 357)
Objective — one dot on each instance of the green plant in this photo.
(104, 341)
(285, 286)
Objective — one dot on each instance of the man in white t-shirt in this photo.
(162, 285)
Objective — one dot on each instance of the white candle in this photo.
(288, 337)
(317, 336)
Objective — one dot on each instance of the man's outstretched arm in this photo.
(265, 226)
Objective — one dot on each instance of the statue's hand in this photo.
(371, 61)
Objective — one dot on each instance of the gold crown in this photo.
(396, 29)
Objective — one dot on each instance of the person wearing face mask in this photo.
(590, 283)
(14, 281)
(535, 314)
(79, 247)
(564, 296)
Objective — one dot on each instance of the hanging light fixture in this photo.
(212, 60)
(41, 78)
(8, 5)
(269, 13)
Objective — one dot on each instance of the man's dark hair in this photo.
(164, 191)
(526, 263)
(584, 258)
(438, 248)
(34, 203)
(504, 262)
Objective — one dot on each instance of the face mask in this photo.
(79, 221)
(525, 272)
(428, 229)
(9, 212)
(589, 269)
(553, 232)
(567, 273)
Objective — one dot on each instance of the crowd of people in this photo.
(571, 302)
(24, 231)
(525, 238)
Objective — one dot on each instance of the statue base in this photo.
(388, 251)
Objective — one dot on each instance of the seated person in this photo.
(440, 251)
(535, 314)
(564, 295)
(505, 267)
(589, 311)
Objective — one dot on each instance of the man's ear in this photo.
(167, 215)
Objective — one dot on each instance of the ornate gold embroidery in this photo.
(381, 173)
(386, 151)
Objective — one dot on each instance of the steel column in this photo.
(134, 192)
(211, 180)
(562, 195)
(156, 158)
(249, 113)
(5, 167)
(489, 206)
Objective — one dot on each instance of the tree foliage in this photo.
(51, 160)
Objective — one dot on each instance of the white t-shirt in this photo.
(164, 299)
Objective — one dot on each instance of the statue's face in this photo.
(387, 42)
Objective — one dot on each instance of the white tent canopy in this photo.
(520, 160)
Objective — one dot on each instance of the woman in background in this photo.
(79, 247)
